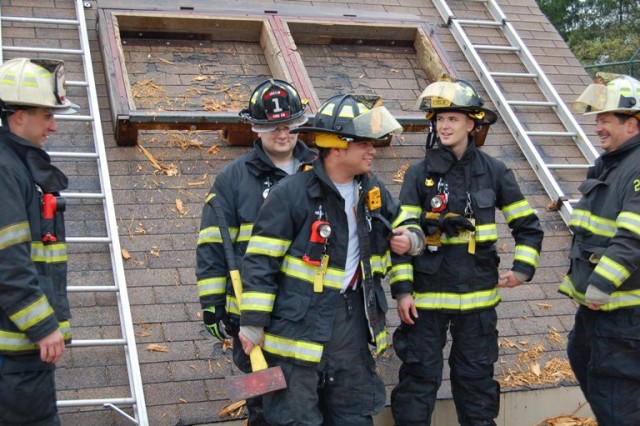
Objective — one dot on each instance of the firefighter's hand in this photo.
(407, 308)
(508, 280)
(214, 317)
(250, 336)
(51, 347)
(400, 241)
(452, 225)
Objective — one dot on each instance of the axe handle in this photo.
(256, 356)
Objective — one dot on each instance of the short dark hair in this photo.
(624, 117)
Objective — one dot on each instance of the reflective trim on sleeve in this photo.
(592, 223)
(629, 221)
(458, 301)
(267, 246)
(527, 254)
(403, 215)
(414, 211)
(382, 341)
(210, 286)
(245, 232)
(294, 349)
(257, 301)
(619, 299)
(401, 272)
(211, 234)
(232, 305)
(14, 234)
(612, 271)
(32, 314)
(16, 342)
(486, 232)
(517, 210)
(380, 263)
(48, 253)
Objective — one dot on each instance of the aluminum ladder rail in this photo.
(534, 71)
(136, 400)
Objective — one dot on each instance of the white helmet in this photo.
(611, 93)
(36, 83)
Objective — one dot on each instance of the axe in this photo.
(263, 380)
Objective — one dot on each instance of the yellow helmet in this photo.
(35, 83)
(610, 93)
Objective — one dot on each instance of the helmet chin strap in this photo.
(431, 136)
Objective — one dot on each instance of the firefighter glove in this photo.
(453, 224)
(431, 223)
(214, 318)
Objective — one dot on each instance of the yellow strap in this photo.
(318, 278)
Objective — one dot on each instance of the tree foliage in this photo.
(598, 31)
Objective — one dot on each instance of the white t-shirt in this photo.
(348, 192)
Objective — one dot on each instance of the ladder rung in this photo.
(77, 83)
(40, 20)
(92, 288)
(88, 239)
(72, 154)
(498, 48)
(95, 402)
(513, 74)
(97, 342)
(42, 50)
(482, 23)
(84, 195)
(532, 103)
(568, 166)
(569, 134)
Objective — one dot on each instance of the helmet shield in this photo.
(376, 123)
(621, 95)
(36, 83)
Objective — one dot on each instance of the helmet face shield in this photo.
(622, 95)
(376, 123)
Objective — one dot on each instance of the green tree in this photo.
(599, 31)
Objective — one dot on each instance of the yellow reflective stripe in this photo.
(232, 305)
(211, 234)
(629, 221)
(209, 197)
(32, 314)
(298, 269)
(619, 299)
(209, 286)
(403, 215)
(445, 239)
(517, 210)
(15, 341)
(486, 232)
(382, 341)
(257, 301)
(401, 272)
(245, 232)
(295, 349)
(612, 271)
(527, 254)
(29, 80)
(413, 211)
(268, 246)
(14, 234)
(48, 253)
(380, 264)
(592, 223)
(456, 301)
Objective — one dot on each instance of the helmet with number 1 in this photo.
(34, 83)
(610, 93)
(352, 118)
(274, 103)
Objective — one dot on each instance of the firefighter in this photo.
(456, 190)
(312, 273)
(34, 310)
(603, 277)
(275, 108)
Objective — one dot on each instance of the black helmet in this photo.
(449, 94)
(352, 118)
(274, 102)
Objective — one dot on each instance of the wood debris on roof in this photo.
(399, 176)
(528, 371)
(235, 409)
(568, 421)
(169, 170)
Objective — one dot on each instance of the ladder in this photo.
(524, 137)
(93, 154)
